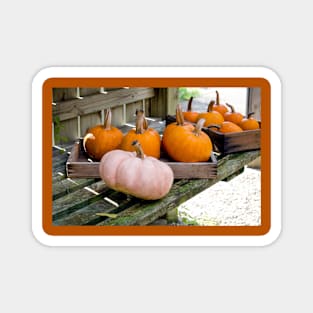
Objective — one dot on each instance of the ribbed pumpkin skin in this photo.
(191, 116)
(105, 141)
(150, 141)
(183, 145)
(233, 116)
(249, 124)
(147, 178)
(101, 139)
(229, 127)
(212, 117)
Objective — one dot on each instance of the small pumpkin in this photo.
(211, 117)
(149, 138)
(101, 139)
(233, 116)
(221, 108)
(249, 123)
(185, 142)
(190, 115)
(229, 127)
(135, 174)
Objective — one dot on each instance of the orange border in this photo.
(50, 229)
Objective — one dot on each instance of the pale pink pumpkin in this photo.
(136, 174)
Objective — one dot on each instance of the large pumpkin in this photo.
(221, 108)
(102, 138)
(189, 115)
(184, 142)
(211, 117)
(135, 174)
(149, 138)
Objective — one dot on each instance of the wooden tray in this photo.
(79, 165)
(231, 142)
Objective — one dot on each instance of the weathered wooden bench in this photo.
(88, 201)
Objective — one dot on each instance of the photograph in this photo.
(174, 157)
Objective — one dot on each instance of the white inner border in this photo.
(209, 72)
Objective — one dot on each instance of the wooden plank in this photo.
(79, 199)
(88, 91)
(68, 185)
(148, 211)
(94, 103)
(91, 214)
(63, 94)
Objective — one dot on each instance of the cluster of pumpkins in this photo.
(222, 117)
(128, 161)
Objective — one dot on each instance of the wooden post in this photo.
(165, 102)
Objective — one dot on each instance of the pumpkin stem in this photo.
(140, 113)
(179, 115)
(189, 104)
(138, 148)
(86, 137)
(217, 98)
(250, 114)
(214, 126)
(231, 107)
(199, 126)
(210, 106)
(107, 119)
(140, 124)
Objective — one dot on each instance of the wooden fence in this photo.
(76, 109)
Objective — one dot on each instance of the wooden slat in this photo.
(95, 103)
(148, 211)
(89, 215)
(78, 199)
(68, 185)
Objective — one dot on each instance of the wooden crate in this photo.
(235, 142)
(79, 165)
(231, 142)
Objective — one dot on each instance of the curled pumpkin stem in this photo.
(199, 126)
(139, 152)
(231, 107)
(250, 114)
(214, 126)
(87, 137)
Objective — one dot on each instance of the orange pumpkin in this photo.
(101, 139)
(149, 138)
(233, 116)
(184, 142)
(211, 117)
(229, 127)
(136, 174)
(190, 115)
(249, 123)
(221, 108)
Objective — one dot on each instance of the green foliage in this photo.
(184, 93)
(57, 130)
